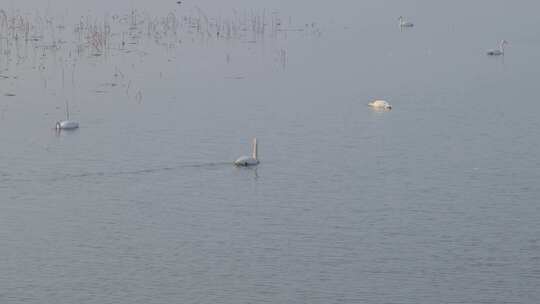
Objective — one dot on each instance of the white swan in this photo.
(380, 104)
(403, 23)
(66, 124)
(498, 52)
(245, 161)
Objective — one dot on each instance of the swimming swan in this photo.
(245, 161)
(403, 23)
(498, 52)
(66, 124)
(380, 104)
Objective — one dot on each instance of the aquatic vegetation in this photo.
(49, 44)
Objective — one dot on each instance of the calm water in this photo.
(435, 201)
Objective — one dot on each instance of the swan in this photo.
(498, 52)
(380, 104)
(245, 161)
(403, 23)
(66, 124)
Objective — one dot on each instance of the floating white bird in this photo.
(66, 124)
(498, 52)
(403, 23)
(380, 104)
(245, 161)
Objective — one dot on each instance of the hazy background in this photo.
(435, 201)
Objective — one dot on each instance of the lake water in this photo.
(436, 201)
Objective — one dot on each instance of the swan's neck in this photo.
(501, 47)
(254, 149)
(67, 110)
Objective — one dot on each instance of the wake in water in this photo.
(5, 178)
(142, 171)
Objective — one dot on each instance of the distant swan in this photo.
(380, 104)
(498, 52)
(245, 161)
(66, 124)
(403, 23)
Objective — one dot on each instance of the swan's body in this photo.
(498, 52)
(403, 23)
(246, 161)
(66, 125)
(380, 104)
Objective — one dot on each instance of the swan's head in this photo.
(58, 126)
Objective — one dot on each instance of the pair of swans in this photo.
(243, 161)
(248, 161)
(493, 52)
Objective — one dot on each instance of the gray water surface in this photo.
(435, 201)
